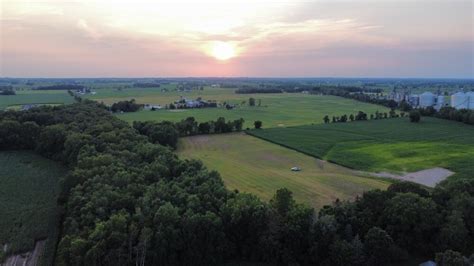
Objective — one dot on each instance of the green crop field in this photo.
(384, 145)
(34, 97)
(276, 110)
(28, 193)
(253, 165)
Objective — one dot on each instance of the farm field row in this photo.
(34, 97)
(394, 145)
(276, 110)
(256, 166)
(28, 195)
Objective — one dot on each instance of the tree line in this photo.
(7, 90)
(146, 85)
(125, 106)
(128, 201)
(72, 87)
(362, 116)
(465, 116)
(167, 133)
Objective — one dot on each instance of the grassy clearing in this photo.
(276, 110)
(34, 97)
(384, 145)
(28, 192)
(253, 165)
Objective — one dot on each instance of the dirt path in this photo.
(427, 177)
(29, 258)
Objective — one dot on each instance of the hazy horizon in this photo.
(260, 38)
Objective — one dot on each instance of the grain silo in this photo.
(439, 101)
(427, 99)
(470, 96)
(414, 100)
(459, 100)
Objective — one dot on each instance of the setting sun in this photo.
(223, 50)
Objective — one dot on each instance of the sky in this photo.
(244, 38)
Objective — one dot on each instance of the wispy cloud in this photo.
(158, 37)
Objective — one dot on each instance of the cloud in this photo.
(91, 32)
(146, 38)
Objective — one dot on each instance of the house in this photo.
(152, 107)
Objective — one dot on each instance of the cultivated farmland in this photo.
(34, 97)
(253, 165)
(394, 145)
(276, 110)
(28, 192)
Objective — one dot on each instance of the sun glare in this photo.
(223, 50)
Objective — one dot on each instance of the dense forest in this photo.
(128, 201)
(166, 133)
(125, 106)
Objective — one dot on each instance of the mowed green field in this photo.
(253, 165)
(34, 97)
(394, 145)
(28, 193)
(276, 110)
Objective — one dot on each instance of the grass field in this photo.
(34, 97)
(28, 192)
(276, 110)
(384, 145)
(253, 165)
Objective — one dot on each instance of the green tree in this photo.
(449, 258)
(326, 119)
(414, 116)
(51, 141)
(377, 246)
(220, 125)
(258, 124)
(406, 219)
(351, 117)
(454, 233)
(282, 201)
(238, 124)
(204, 128)
(245, 217)
(251, 102)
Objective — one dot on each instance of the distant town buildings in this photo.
(458, 100)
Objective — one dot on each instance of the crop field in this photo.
(28, 193)
(253, 165)
(394, 145)
(276, 110)
(34, 97)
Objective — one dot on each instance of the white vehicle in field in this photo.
(295, 169)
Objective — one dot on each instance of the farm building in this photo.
(153, 107)
(427, 99)
(460, 100)
(470, 104)
(198, 103)
(414, 100)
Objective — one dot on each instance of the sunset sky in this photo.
(155, 38)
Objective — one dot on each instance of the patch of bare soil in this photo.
(30, 258)
(427, 177)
